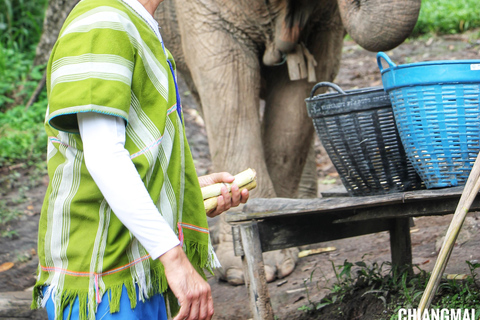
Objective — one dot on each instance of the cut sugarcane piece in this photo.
(306, 253)
(241, 179)
(456, 276)
(211, 203)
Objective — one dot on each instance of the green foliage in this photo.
(460, 295)
(22, 135)
(10, 234)
(21, 23)
(7, 215)
(396, 288)
(447, 17)
(17, 77)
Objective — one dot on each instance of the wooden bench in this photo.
(279, 223)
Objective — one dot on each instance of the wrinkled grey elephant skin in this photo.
(232, 55)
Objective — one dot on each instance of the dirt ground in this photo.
(313, 274)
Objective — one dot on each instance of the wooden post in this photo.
(254, 272)
(401, 244)
(16, 306)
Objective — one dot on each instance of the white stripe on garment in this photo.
(59, 211)
(143, 133)
(47, 112)
(92, 57)
(103, 246)
(97, 257)
(167, 203)
(51, 150)
(137, 271)
(85, 70)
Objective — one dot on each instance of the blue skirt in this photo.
(153, 308)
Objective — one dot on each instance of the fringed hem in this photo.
(201, 256)
(88, 304)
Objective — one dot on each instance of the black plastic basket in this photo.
(357, 128)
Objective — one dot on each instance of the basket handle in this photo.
(326, 84)
(383, 55)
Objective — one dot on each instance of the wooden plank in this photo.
(237, 242)
(16, 306)
(286, 232)
(338, 191)
(268, 208)
(254, 272)
(417, 208)
(434, 193)
(401, 244)
(261, 208)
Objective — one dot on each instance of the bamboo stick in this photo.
(211, 203)
(241, 179)
(469, 194)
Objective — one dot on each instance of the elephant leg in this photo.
(308, 185)
(226, 73)
(287, 131)
(287, 139)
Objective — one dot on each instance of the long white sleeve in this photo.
(113, 171)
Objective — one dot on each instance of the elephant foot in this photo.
(278, 264)
(286, 261)
(270, 272)
(234, 276)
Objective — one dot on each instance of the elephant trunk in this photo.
(379, 25)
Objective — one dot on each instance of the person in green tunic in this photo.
(123, 214)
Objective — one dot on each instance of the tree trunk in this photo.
(55, 15)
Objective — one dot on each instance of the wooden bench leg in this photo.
(254, 272)
(401, 244)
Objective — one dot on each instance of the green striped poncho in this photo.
(108, 59)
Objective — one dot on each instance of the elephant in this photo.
(250, 64)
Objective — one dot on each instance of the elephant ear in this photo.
(378, 25)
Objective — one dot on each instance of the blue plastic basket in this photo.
(437, 112)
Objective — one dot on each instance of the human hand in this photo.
(192, 291)
(227, 199)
